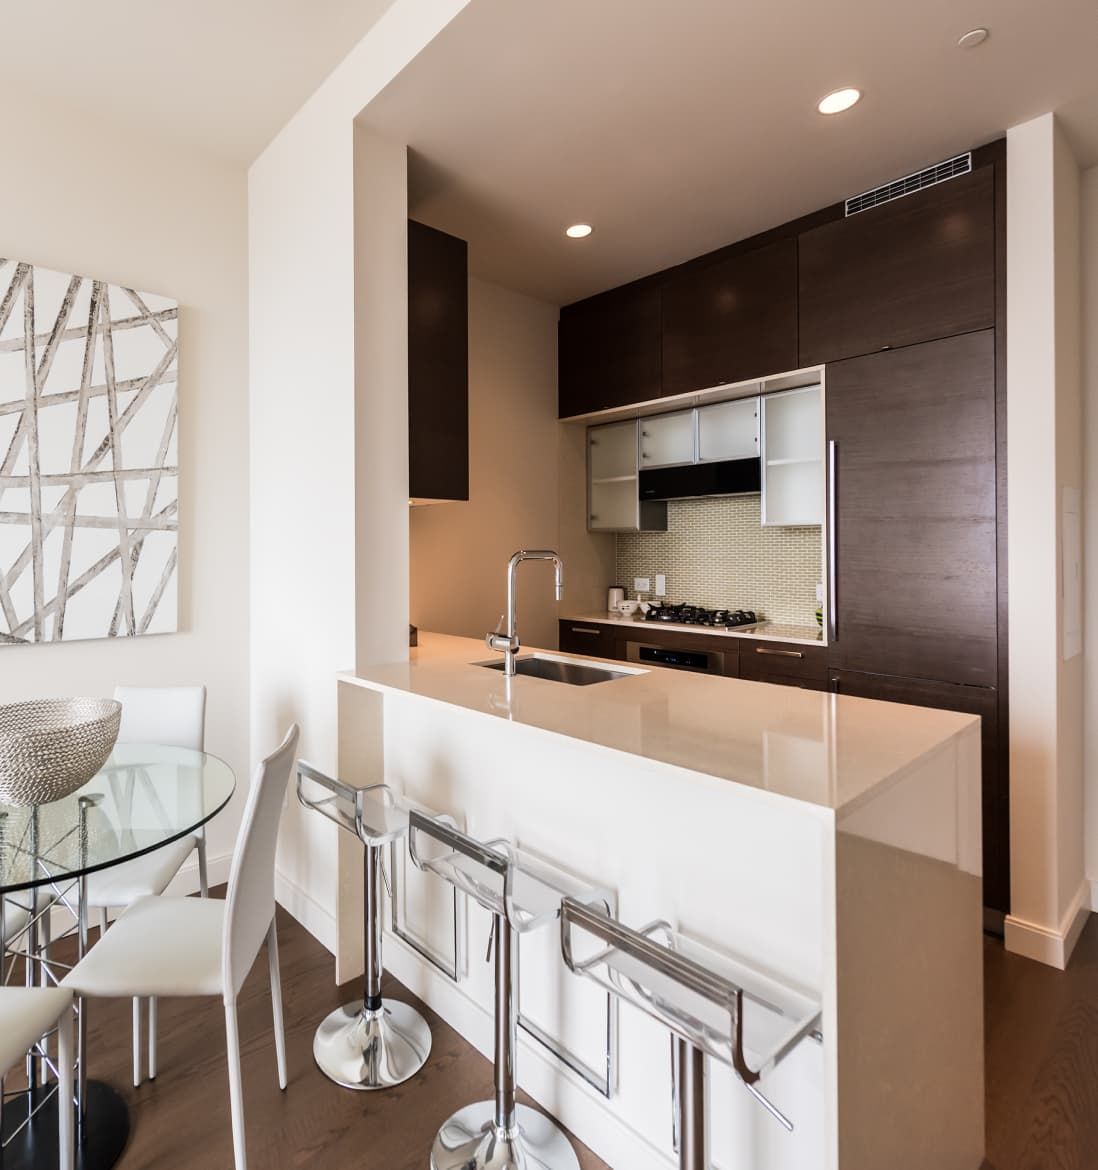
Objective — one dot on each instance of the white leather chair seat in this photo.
(139, 877)
(26, 1013)
(159, 946)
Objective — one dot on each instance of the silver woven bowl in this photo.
(51, 747)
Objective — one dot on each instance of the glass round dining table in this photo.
(144, 797)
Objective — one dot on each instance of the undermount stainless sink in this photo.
(576, 674)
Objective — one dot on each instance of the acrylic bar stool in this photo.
(379, 1042)
(523, 894)
(714, 1006)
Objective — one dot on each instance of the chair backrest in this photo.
(250, 904)
(175, 716)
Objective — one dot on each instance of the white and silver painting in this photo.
(88, 464)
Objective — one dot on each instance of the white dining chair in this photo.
(192, 946)
(175, 716)
(26, 1015)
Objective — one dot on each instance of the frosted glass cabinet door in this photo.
(612, 493)
(613, 506)
(793, 487)
(729, 430)
(613, 450)
(667, 440)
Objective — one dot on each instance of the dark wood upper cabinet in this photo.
(609, 351)
(917, 269)
(731, 320)
(438, 365)
(915, 493)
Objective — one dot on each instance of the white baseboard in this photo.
(318, 920)
(557, 1089)
(1049, 945)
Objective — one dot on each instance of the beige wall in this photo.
(459, 551)
(1048, 890)
(126, 207)
(1089, 252)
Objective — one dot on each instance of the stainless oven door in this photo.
(700, 661)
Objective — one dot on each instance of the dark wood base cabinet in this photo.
(982, 701)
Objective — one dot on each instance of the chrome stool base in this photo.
(470, 1140)
(362, 1049)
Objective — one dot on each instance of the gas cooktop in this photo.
(696, 615)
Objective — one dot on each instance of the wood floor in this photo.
(1042, 1075)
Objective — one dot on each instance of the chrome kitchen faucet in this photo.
(508, 641)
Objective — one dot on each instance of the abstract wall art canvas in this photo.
(88, 462)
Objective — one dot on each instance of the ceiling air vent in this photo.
(909, 184)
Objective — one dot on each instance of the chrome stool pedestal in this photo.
(714, 1006)
(374, 1043)
(522, 894)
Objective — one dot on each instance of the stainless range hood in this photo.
(732, 477)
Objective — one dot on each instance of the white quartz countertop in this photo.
(767, 631)
(829, 750)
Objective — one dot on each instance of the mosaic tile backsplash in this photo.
(716, 553)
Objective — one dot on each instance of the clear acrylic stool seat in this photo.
(713, 1004)
(523, 894)
(375, 1043)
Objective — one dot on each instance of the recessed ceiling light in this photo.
(839, 100)
(578, 230)
(972, 38)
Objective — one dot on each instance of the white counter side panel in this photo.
(739, 868)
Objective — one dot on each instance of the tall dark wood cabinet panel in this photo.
(438, 365)
(915, 490)
(608, 350)
(731, 320)
(995, 799)
(919, 268)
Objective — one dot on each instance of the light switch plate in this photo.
(820, 594)
(661, 584)
(642, 584)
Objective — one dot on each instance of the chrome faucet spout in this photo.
(508, 641)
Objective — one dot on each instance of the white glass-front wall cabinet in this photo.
(792, 458)
(667, 440)
(613, 498)
(728, 430)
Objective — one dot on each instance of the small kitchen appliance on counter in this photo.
(615, 595)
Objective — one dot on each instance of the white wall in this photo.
(109, 203)
(301, 198)
(1049, 895)
(1089, 253)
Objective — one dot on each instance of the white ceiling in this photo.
(225, 75)
(675, 128)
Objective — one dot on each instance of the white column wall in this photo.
(1089, 254)
(1048, 892)
(301, 198)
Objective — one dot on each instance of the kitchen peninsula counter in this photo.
(719, 727)
(832, 842)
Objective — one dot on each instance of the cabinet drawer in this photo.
(783, 662)
(576, 637)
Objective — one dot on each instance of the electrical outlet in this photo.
(642, 584)
(820, 593)
(661, 584)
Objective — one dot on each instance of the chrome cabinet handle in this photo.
(832, 540)
(779, 653)
(585, 630)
